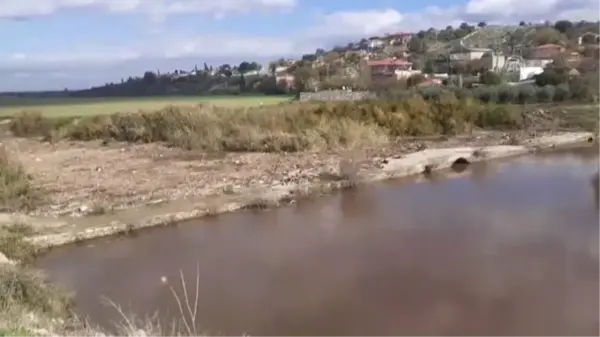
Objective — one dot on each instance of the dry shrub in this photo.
(29, 123)
(16, 191)
(34, 124)
(27, 287)
(502, 117)
(291, 127)
(13, 243)
(25, 294)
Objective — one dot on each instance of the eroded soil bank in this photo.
(95, 189)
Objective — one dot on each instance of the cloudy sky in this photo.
(55, 44)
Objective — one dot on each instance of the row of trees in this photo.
(224, 79)
(573, 89)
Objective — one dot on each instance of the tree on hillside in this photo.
(490, 78)
(244, 67)
(417, 61)
(225, 70)
(353, 58)
(551, 76)
(309, 57)
(563, 26)
(481, 24)
(304, 78)
(465, 26)
(242, 84)
(331, 57)
(150, 78)
(429, 67)
(272, 67)
(417, 45)
(547, 35)
(364, 80)
(415, 80)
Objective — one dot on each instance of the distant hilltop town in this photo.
(516, 53)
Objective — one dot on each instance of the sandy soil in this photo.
(79, 178)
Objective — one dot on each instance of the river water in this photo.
(507, 248)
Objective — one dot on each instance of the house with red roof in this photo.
(547, 51)
(391, 67)
(398, 39)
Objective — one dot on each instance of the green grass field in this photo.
(61, 107)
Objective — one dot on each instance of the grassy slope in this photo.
(97, 106)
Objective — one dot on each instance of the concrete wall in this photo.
(336, 95)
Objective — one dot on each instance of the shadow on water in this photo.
(504, 248)
(595, 187)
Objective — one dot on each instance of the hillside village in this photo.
(457, 56)
(515, 53)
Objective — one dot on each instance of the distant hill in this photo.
(428, 50)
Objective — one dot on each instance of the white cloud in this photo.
(156, 9)
(533, 10)
(167, 49)
(338, 27)
(159, 48)
(359, 24)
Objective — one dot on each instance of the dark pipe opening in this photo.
(460, 165)
(461, 160)
(427, 170)
(590, 139)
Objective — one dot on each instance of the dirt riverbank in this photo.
(94, 189)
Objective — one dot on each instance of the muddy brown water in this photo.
(507, 248)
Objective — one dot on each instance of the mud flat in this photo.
(96, 190)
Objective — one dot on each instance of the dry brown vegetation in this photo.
(25, 294)
(16, 191)
(290, 128)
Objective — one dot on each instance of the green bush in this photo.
(506, 94)
(545, 94)
(501, 117)
(562, 92)
(486, 94)
(526, 94)
(490, 78)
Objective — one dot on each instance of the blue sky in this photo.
(55, 44)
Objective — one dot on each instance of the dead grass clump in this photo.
(13, 243)
(16, 191)
(29, 288)
(217, 129)
(292, 127)
(29, 303)
(187, 323)
(34, 124)
(501, 117)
